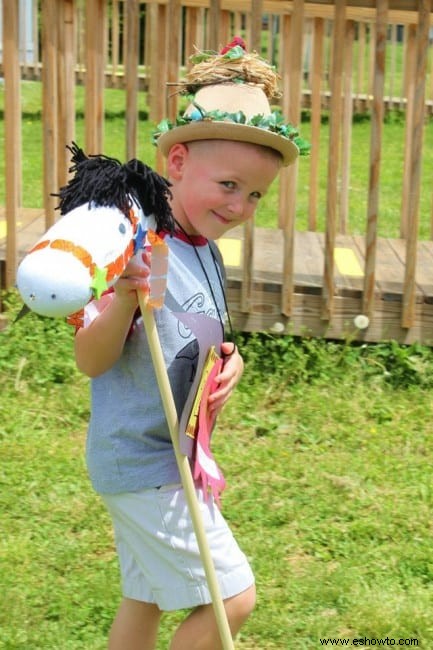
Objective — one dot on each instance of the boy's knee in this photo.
(240, 607)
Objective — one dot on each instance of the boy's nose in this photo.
(237, 206)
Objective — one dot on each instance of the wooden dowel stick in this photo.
(185, 472)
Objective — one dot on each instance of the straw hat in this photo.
(231, 92)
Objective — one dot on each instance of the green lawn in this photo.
(327, 453)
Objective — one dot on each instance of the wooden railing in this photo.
(340, 57)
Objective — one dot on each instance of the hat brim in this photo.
(213, 130)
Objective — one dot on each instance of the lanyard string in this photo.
(231, 335)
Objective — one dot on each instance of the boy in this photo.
(219, 168)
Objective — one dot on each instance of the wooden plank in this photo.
(333, 157)
(346, 127)
(308, 262)
(131, 72)
(389, 274)
(306, 320)
(12, 133)
(95, 69)
(49, 108)
(173, 54)
(424, 267)
(288, 178)
(409, 65)
(247, 264)
(115, 36)
(66, 91)
(360, 91)
(424, 274)
(316, 101)
(349, 263)
(409, 291)
(213, 27)
(375, 157)
(256, 25)
(248, 248)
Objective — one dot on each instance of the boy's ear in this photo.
(176, 160)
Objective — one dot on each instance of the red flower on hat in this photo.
(238, 40)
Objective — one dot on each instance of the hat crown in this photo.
(231, 98)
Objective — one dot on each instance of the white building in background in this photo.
(27, 23)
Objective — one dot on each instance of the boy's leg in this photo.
(135, 626)
(199, 631)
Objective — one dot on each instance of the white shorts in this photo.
(158, 553)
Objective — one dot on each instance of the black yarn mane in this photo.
(107, 182)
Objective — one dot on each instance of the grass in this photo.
(330, 497)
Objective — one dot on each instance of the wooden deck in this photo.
(265, 310)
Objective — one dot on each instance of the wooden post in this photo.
(408, 314)
(409, 62)
(361, 63)
(333, 159)
(288, 178)
(347, 127)
(49, 108)
(225, 27)
(375, 156)
(95, 71)
(115, 36)
(392, 67)
(248, 247)
(213, 26)
(316, 104)
(65, 85)
(173, 55)
(159, 73)
(12, 133)
(131, 72)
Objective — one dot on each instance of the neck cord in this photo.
(231, 336)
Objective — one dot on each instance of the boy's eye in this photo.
(256, 195)
(230, 185)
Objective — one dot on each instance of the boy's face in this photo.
(218, 184)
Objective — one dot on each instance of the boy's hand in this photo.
(135, 277)
(228, 377)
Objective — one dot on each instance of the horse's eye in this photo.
(53, 296)
(122, 228)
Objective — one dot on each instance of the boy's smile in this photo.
(217, 184)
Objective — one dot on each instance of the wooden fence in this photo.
(335, 58)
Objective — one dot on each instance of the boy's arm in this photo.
(99, 346)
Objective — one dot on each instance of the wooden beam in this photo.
(131, 71)
(12, 133)
(65, 85)
(293, 67)
(375, 157)
(408, 314)
(333, 157)
(95, 68)
(49, 108)
(316, 110)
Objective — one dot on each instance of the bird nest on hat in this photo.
(224, 70)
(231, 65)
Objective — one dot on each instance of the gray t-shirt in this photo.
(128, 444)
